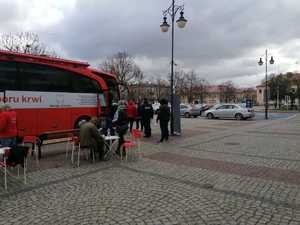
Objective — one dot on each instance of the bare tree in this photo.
(24, 42)
(228, 92)
(124, 67)
(179, 83)
(191, 80)
(201, 89)
(161, 88)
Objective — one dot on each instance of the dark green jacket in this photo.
(89, 135)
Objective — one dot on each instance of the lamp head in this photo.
(272, 60)
(260, 62)
(181, 22)
(164, 27)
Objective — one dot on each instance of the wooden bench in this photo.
(64, 135)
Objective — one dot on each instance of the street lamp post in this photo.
(260, 62)
(171, 11)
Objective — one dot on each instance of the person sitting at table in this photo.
(91, 138)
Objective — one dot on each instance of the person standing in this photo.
(131, 113)
(163, 116)
(147, 115)
(108, 125)
(139, 120)
(91, 138)
(121, 122)
(8, 126)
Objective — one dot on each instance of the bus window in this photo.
(113, 94)
(82, 84)
(44, 78)
(8, 75)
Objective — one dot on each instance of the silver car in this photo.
(229, 111)
(189, 110)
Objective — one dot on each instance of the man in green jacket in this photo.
(91, 138)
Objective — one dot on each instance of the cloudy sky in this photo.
(222, 41)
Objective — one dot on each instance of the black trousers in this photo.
(138, 122)
(164, 130)
(98, 148)
(147, 127)
(121, 141)
(131, 121)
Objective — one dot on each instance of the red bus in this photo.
(51, 94)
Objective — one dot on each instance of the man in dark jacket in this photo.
(163, 116)
(147, 115)
(90, 137)
(139, 117)
(121, 125)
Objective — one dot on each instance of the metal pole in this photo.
(172, 72)
(266, 101)
(277, 96)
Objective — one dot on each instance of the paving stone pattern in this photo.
(218, 172)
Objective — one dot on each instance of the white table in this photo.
(110, 140)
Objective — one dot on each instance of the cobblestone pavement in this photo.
(218, 172)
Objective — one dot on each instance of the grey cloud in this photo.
(222, 38)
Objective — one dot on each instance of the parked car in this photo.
(202, 108)
(229, 111)
(189, 110)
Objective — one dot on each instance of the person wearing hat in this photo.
(8, 126)
(163, 116)
(147, 114)
(90, 137)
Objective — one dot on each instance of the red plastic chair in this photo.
(134, 143)
(70, 143)
(76, 146)
(34, 151)
(4, 165)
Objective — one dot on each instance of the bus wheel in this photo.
(80, 121)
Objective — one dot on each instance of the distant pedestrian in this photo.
(138, 119)
(147, 115)
(8, 126)
(163, 116)
(131, 113)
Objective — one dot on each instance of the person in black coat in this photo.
(163, 116)
(139, 120)
(147, 115)
(121, 123)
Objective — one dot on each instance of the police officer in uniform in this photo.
(147, 115)
(163, 116)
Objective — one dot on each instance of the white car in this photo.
(229, 111)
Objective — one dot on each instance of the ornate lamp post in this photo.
(164, 27)
(260, 62)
